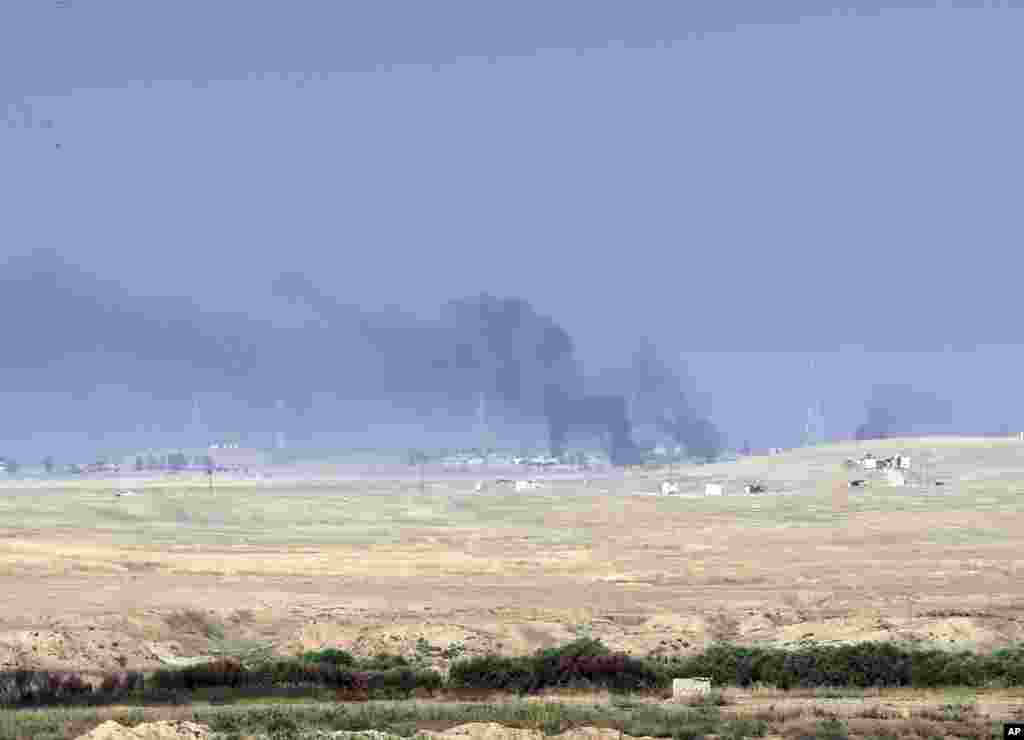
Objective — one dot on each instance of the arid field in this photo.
(368, 561)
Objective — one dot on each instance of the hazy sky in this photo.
(750, 186)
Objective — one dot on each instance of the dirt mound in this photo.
(74, 649)
(854, 628)
(163, 730)
(964, 631)
(433, 644)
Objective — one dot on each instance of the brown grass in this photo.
(357, 563)
(195, 622)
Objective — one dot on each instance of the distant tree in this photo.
(11, 465)
(152, 461)
(177, 460)
(48, 464)
(416, 457)
(140, 462)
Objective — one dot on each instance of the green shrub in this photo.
(832, 729)
(25, 687)
(328, 655)
(156, 695)
(494, 672)
(383, 662)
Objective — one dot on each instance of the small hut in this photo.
(237, 459)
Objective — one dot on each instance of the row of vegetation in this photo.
(583, 664)
(701, 719)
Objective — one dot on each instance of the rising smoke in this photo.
(894, 410)
(500, 348)
(662, 395)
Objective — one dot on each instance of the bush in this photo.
(589, 661)
(494, 672)
(399, 683)
(383, 662)
(328, 655)
(861, 665)
(116, 685)
(43, 688)
(155, 695)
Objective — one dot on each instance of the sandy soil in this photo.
(370, 562)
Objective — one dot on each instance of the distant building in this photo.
(895, 478)
(237, 458)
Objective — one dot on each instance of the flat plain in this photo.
(369, 560)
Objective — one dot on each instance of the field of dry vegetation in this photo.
(317, 558)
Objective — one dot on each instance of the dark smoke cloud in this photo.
(661, 395)
(500, 348)
(895, 410)
(63, 311)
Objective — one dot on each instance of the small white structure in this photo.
(684, 688)
(526, 485)
(479, 486)
(668, 487)
(902, 462)
(713, 489)
(869, 463)
(125, 493)
(895, 478)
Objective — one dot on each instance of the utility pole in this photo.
(814, 427)
(209, 470)
(483, 428)
(279, 441)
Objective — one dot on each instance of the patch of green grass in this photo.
(282, 720)
(832, 729)
(247, 651)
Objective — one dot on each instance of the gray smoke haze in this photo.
(895, 410)
(500, 348)
(497, 348)
(358, 36)
(759, 187)
(661, 396)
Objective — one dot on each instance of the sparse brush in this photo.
(193, 621)
(710, 699)
(832, 729)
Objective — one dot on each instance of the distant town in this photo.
(228, 457)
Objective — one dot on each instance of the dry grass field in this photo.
(306, 559)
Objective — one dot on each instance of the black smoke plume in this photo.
(171, 348)
(499, 347)
(661, 395)
(894, 410)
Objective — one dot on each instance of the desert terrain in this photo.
(369, 561)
